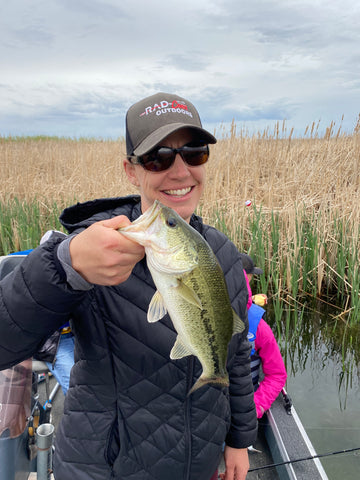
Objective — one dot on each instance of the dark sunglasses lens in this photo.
(158, 160)
(163, 157)
(195, 156)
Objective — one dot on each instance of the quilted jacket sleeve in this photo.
(243, 429)
(35, 300)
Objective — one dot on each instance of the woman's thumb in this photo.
(116, 222)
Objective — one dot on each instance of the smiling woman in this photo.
(124, 375)
(167, 142)
(179, 187)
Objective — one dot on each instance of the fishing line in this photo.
(311, 457)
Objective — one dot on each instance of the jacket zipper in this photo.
(188, 446)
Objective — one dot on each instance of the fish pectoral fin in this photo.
(179, 350)
(188, 294)
(238, 324)
(157, 309)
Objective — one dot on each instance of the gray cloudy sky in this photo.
(73, 67)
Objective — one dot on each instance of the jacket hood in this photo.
(82, 215)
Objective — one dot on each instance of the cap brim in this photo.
(257, 271)
(161, 133)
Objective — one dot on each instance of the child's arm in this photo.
(273, 368)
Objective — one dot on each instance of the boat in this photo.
(283, 449)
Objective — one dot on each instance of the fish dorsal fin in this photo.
(238, 324)
(188, 294)
(179, 350)
(157, 309)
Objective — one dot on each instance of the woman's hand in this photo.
(101, 255)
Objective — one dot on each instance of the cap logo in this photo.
(166, 107)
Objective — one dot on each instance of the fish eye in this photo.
(171, 222)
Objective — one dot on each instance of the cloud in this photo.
(223, 106)
(101, 10)
(67, 63)
(30, 35)
(190, 62)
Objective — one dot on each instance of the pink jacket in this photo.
(272, 365)
(249, 291)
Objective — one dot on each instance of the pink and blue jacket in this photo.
(265, 351)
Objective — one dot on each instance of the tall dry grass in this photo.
(275, 171)
(304, 193)
(61, 170)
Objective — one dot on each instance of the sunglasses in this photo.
(162, 158)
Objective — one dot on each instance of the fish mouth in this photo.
(139, 229)
(146, 219)
(143, 231)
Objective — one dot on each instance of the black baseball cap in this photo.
(152, 119)
(249, 266)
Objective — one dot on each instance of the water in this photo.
(322, 360)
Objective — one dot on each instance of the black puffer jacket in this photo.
(127, 414)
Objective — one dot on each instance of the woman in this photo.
(127, 414)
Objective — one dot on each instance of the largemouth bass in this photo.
(190, 287)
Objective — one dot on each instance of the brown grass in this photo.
(283, 175)
(277, 173)
(61, 170)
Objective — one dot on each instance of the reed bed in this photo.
(302, 226)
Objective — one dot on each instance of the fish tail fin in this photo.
(221, 380)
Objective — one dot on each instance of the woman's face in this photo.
(180, 187)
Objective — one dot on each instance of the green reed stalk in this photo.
(258, 246)
(309, 253)
(342, 255)
(22, 224)
(354, 280)
(277, 303)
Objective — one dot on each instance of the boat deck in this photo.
(284, 440)
(288, 440)
(281, 440)
(261, 458)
